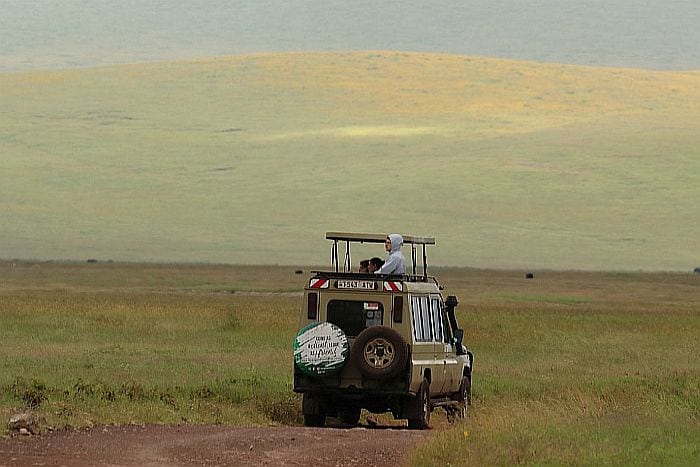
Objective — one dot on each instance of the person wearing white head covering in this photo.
(395, 262)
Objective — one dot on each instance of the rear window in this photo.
(353, 316)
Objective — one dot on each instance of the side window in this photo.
(415, 317)
(426, 318)
(436, 313)
(422, 322)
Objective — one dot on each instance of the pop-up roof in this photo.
(377, 238)
(353, 237)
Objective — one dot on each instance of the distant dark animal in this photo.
(91, 261)
(697, 271)
(298, 271)
(529, 275)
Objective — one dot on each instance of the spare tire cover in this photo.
(321, 349)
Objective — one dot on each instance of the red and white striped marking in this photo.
(319, 283)
(393, 286)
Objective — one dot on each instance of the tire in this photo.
(379, 352)
(465, 396)
(349, 415)
(314, 411)
(306, 349)
(317, 420)
(423, 401)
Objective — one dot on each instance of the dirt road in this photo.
(213, 445)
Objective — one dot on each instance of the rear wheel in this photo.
(349, 415)
(314, 410)
(422, 421)
(317, 420)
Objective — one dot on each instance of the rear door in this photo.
(445, 348)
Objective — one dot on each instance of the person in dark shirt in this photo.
(375, 264)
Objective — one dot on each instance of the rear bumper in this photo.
(332, 385)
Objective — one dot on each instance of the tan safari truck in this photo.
(384, 343)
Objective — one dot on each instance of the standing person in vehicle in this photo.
(395, 262)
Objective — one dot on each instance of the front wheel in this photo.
(465, 396)
(422, 421)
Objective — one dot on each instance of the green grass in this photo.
(162, 351)
(571, 368)
(125, 344)
(556, 432)
(608, 377)
(248, 160)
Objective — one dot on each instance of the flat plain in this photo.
(571, 367)
(236, 159)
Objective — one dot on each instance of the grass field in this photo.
(510, 164)
(589, 368)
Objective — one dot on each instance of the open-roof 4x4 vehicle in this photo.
(385, 343)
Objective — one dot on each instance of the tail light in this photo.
(312, 307)
(397, 309)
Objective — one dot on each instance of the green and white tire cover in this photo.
(321, 349)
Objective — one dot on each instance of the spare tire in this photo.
(379, 352)
(321, 349)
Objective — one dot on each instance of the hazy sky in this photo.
(635, 33)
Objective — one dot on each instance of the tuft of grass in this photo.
(31, 393)
(283, 408)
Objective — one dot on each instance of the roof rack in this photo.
(377, 238)
(348, 237)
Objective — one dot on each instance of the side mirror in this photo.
(451, 301)
(459, 336)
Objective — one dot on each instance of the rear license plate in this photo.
(349, 284)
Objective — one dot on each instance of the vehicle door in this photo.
(445, 348)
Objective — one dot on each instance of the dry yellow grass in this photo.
(426, 86)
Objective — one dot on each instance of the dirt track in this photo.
(213, 445)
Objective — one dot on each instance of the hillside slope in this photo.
(251, 159)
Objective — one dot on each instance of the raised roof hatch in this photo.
(355, 237)
(377, 238)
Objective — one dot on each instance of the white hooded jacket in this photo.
(395, 262)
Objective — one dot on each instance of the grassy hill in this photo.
(251, 159)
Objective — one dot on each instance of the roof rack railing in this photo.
(348, 237)
(377, 238)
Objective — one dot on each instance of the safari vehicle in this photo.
(384, 343)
